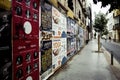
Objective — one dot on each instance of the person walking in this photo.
(110, 38)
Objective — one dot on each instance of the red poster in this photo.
(25, 36)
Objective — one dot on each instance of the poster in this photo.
(81, 36)
(71, 40)
(63, 50)
(58, 24)
(46, 39)
(59, 56)
(46, 16)
(46, 55)
(56, 55)
(59, 42)
(25, 34)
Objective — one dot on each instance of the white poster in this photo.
(56, 55)
(63, 50)
(58, 24)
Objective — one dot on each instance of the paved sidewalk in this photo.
(86, 65)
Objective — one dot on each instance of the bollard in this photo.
(111, 59)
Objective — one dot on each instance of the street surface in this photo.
(112, 47)
(86, 65)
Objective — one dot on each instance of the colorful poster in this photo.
(59, 56)
(46, 55)
(59, 42)
(46, 35)
(71, 33)
(73, 26)
(58, 24)
(56, 55)
(46, 16)
(63, 26)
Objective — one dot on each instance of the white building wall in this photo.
(110, 24)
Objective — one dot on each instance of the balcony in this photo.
(116, 26)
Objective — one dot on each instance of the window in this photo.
(79, 15)
(70, 4)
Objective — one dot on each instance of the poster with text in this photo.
(46, 16)
(46, 55)
(58, 24)
(56, 55)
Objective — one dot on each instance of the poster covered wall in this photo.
(59, 48)
(46, 39)
(71, 33)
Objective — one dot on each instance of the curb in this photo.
(115, 67)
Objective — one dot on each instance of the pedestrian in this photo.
(110, 38)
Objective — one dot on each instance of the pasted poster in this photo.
(46, 39)
(63, 50)
(73, 26)
(46, 16)
(5, 40)
(69, 29)
(81, 37)
(46, 55)
(58, 24)
(63, 25)
(56, 55)
(71, 40)
(59, 56)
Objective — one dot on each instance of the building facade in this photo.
(110, 25)
(116, 27)
(75, 9)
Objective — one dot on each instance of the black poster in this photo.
(46, 16)
(5, 41)
(46, 55)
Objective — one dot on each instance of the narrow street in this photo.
(86, 65)
(113, 48)
(59, 39)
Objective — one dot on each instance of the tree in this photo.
(100, 26)
(114, 4)
(100, 23)
(105, 32)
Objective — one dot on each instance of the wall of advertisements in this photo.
(71, 37)
(35, 40)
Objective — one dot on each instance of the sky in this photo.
(96, 8)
